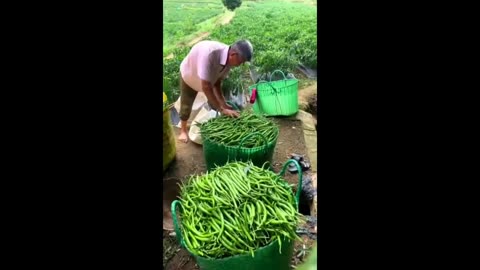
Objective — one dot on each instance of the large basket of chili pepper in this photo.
(238, 217)
(249, 137)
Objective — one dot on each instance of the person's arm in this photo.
(205, 74)
(208, 89)
(217, 90)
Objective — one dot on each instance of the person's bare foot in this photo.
(183, 137)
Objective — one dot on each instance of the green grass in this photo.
(183, 18)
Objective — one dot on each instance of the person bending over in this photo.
(203, 70)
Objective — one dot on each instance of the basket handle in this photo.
(274, 90)
(259, 82)
(256, 85)
(248, 136)
(262, 81)
(283, 74)
(299, 169)
(269, 82)
(178, 232)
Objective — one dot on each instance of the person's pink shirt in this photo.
(206, 61)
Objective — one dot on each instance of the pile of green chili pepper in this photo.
(230, 131)
(236, 209)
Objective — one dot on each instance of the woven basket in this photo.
(276, 98)
(267, 257)
(218, 155)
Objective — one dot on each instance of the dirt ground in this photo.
(307, 100)
(290, 141)
(189, 160)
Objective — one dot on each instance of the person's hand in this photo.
(227, 106)
(231, 113)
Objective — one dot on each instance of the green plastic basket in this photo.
(276, 98)
(216, 154)
(267, 257)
